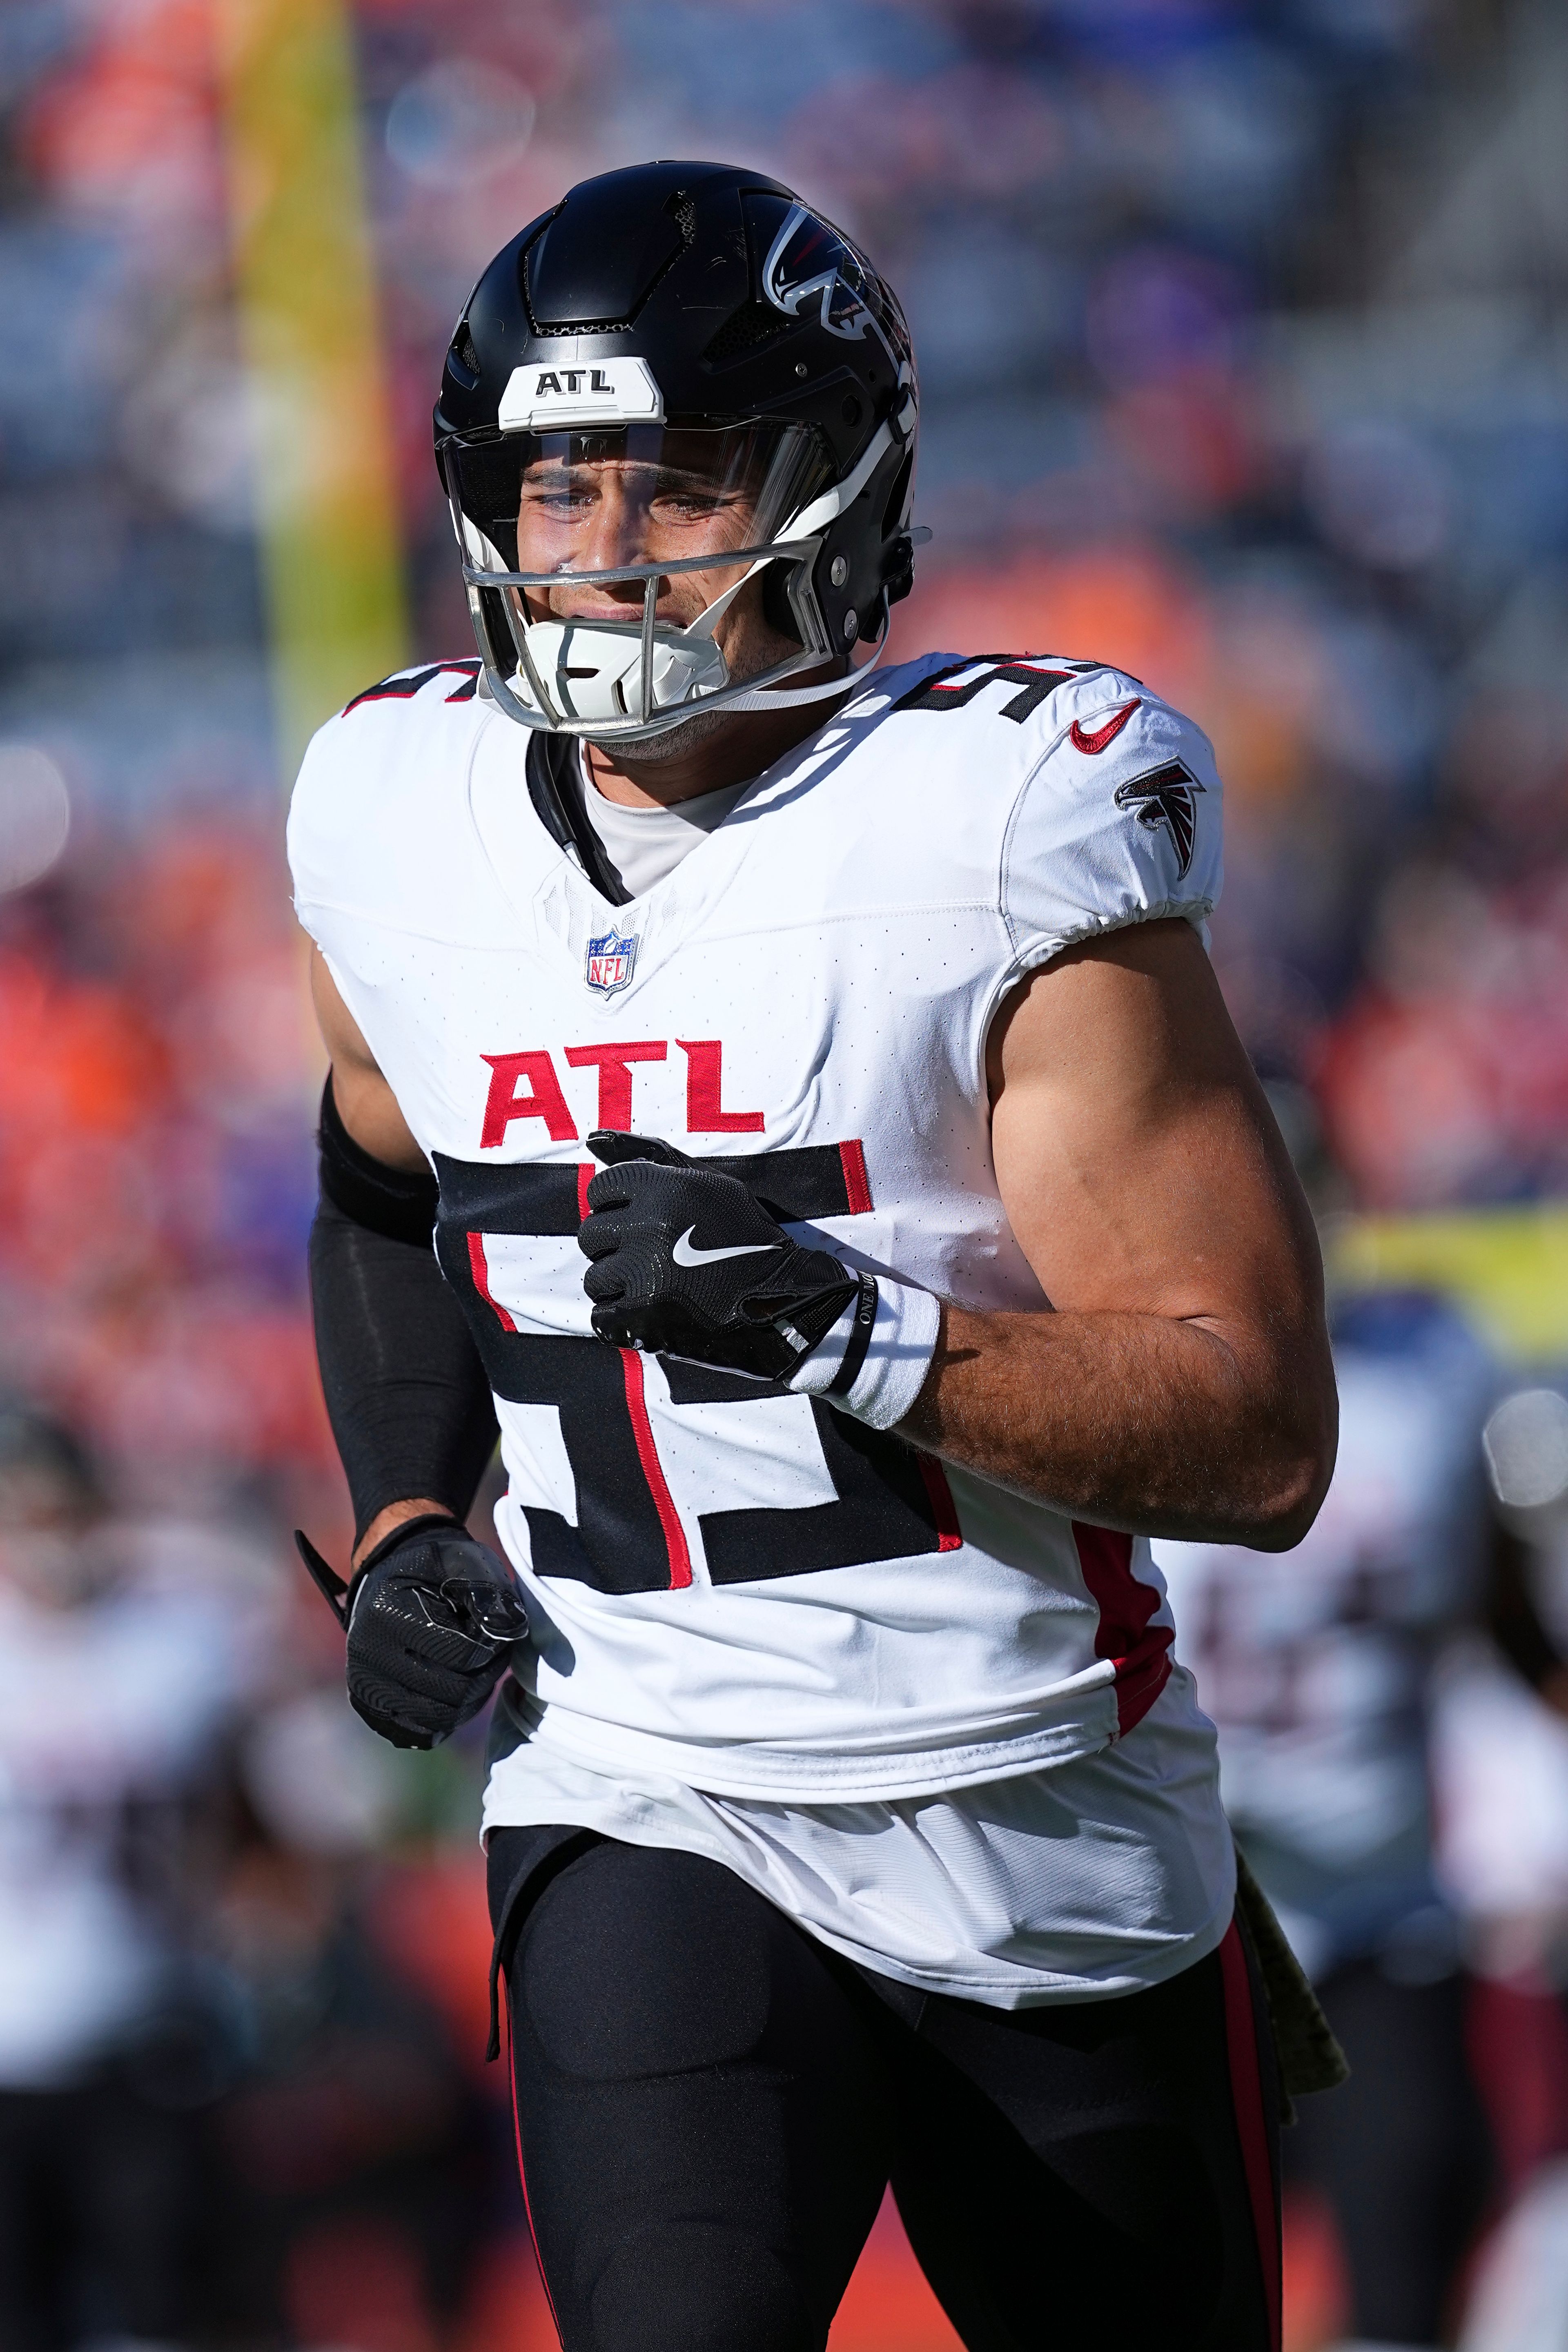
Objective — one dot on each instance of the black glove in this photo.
(686, 1263)
(432, 1618)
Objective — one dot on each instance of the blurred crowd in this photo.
(1243, 359)
(243, 2100)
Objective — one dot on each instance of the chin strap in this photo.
(770, 698)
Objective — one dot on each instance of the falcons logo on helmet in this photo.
(811, 265)
(1165, 796)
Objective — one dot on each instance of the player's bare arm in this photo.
(1183, 1385)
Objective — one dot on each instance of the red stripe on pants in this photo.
(522, 2167)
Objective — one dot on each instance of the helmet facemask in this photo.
(615, 575)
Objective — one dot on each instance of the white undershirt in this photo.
(644, 844)
(1078, 1882)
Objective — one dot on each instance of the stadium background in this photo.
(1243, 353)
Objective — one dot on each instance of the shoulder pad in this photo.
(382, 783)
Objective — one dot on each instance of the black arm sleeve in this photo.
(406, 1393)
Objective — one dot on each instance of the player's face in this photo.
(597, 505)
(597, 515)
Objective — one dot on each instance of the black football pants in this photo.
(710, 2104)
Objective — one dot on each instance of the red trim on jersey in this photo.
(1095, 738)
(1140, 1651)
(1251, 2123)
(653, 1471)
(522, 2167)
(944, 1510)
(857, 1184)
(480, 1271)
(586, 1171)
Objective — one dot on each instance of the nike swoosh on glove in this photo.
(686, 1263)
(432, 1619)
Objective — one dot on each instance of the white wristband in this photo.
(896, 1356)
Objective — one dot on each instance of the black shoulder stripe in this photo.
(936, 692)
(798, 1185)
(405, 687)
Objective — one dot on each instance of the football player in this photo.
(853, 1205)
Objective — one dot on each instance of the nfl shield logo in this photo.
(610, 963)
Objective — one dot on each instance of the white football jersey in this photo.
(742, 1590)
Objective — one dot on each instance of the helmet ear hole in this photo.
(900, 575)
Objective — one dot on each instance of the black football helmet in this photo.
(693, 323)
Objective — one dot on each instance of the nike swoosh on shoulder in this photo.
(685, 1253)
(1095, 738)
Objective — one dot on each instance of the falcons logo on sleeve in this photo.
(1165, 796)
